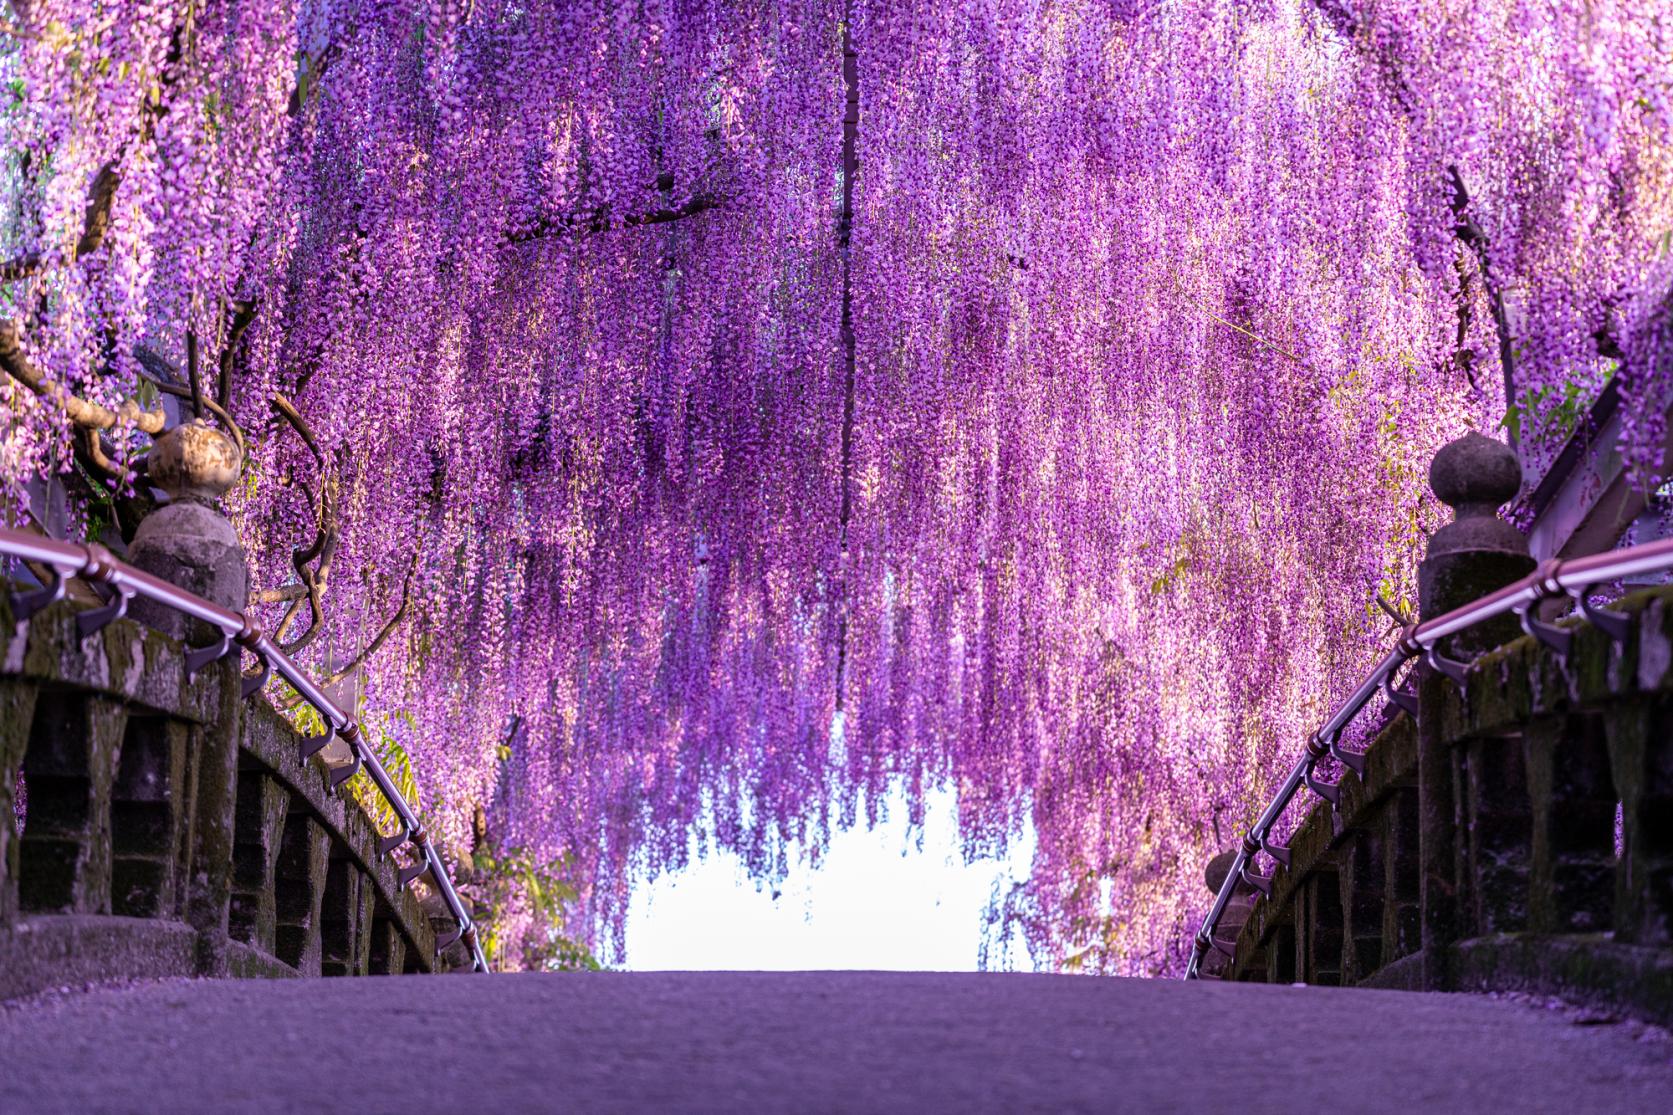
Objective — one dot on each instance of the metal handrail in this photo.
(1574, 577)
(96, 564)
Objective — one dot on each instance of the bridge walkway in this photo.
(819, 1041)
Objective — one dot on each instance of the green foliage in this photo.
(375, 732)
(1550, 413)
(396, 763)
(302, 716)
(511, 880)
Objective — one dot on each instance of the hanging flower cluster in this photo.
(537, 316)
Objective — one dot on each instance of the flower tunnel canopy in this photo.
(769, 403)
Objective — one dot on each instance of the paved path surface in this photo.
(836, 1041)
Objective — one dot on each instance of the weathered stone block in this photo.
(387, 945)
(342, 911)
(17, 712)
(1571, 886)
(69, 764)
(214, 747)
(1477, 552)
(1499, 836)
(1391, 759)
(304, 856)
(1402, 917)
(362, 965)
(1322, 936)
(135, 797)
(195, 547)
(1363, 879)
(263, 804)
(1641, 764)
(39, 951)
(146, 820)
(1282, 959)
(1655, 647)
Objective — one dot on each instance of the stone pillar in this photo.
(1468, 558)
(1363, 878)
(299, 890)
(189, 543)
(263, 804)
(1572, 804)
(1402, 874)
(345, 916)
(389, 948)
(17, 712)
(1232, 918)
(1642, 765)
(1321, 922)
(70, 763)
(147, 816)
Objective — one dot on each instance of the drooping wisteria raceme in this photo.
(1159, 310)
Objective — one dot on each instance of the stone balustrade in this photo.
(1550, 845)
(168, 828)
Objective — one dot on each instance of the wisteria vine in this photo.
(1045, 428)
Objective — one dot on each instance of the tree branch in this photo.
(166, 378)
(192, 376)
(370, 648)
(92, 450)
(80, 411)
(94, 224)
(1347, 24)
(599, 220)
(284, 594)
(308, 78)
(316, 616)
(314, 577)
(385, 632)
(1470, 234)
(287, 410)
(1463, 356)
(243, 316)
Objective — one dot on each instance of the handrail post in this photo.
(1466, 559)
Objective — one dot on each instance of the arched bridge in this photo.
(1506, 831)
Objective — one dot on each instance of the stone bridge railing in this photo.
(1515, 834)
(168, 828)
(1561, 876)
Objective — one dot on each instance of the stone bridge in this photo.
(169, 828)
(1557, 872)
(1510, 833)
(1512, 829)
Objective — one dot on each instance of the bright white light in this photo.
(879, 900)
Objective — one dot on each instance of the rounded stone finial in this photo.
(1476, 472)
(194, 461)
(1218, 868)
(189, 542)
(1477, 552)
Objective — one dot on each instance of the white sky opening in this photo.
(880, 899)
